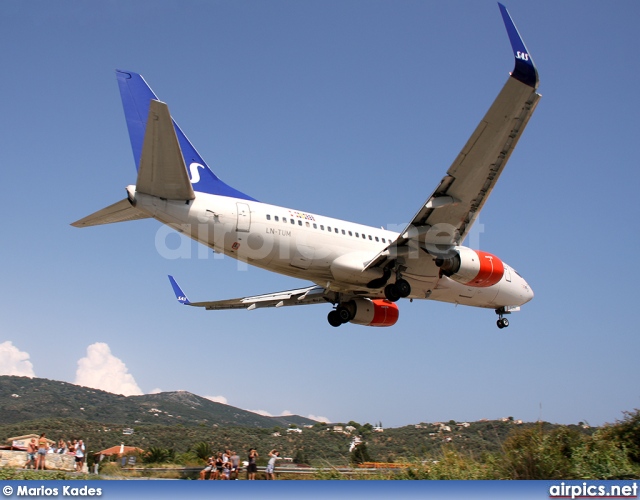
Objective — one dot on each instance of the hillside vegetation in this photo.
(183, 428)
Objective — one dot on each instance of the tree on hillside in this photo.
(360, 454)
(203, 450)
(626, 434)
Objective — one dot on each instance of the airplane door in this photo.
(244, 218)
(302, 256)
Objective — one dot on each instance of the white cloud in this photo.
(287, 413)
(217, 399)
(319, 419)
(264, 413)
(14, 361)
(157, 390)
(102, 370)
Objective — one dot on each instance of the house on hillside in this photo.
(118, 451)
(21, 442)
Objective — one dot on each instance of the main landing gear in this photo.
(339, 316)
(502, 321)
(398, 290)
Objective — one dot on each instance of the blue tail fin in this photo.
(136, 96)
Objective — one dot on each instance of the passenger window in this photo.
(383, 241)
(350, 233)
(276, 218)
(369, 236)
(328, 229)
(321, 227)
(299, 223)
(357, 235)
(315, 226)
(364, 236)
(268, 217)
(336, 229)
(343, 232)
(307, 224)
(377, 239)
(292, 221)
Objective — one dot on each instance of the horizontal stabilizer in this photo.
(118, 212)
(162, 171)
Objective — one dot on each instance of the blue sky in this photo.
(352, 109)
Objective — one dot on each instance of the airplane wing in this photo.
(299, 297)
(448, 214)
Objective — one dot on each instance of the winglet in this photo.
(180, 295)
(525, 70)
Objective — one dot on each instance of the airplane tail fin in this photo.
(136, 100)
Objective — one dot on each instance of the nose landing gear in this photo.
(502, 321)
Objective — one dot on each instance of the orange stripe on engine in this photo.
(385, 313)
(491, 270)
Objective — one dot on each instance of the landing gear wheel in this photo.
(403, 287)
(343, 314)
(503, 323)
(334, 318)
(392, 293)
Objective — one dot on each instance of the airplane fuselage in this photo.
(313, 247)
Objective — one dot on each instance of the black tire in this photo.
(334, 318)
(391, 293)
(500, 324)
(343, 314)
(505, 322)
(403, 287)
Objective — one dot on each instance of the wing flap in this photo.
(121, 211)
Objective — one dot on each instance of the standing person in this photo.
(43, 445)
(62, 446)
(273, 456)
(32, 449)
(235, 465)
(252, 468)
(79, 455)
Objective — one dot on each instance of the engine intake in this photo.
(472, 267)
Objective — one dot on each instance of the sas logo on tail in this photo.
(519, 55)
(194, 173)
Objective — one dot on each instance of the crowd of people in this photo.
(38, 449)
(226, 465)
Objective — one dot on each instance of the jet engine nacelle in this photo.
(376, 312)
(472, 267)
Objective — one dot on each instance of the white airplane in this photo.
(363, 271)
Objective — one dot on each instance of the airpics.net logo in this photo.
(586, 490)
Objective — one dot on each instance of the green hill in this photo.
(23, 399)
